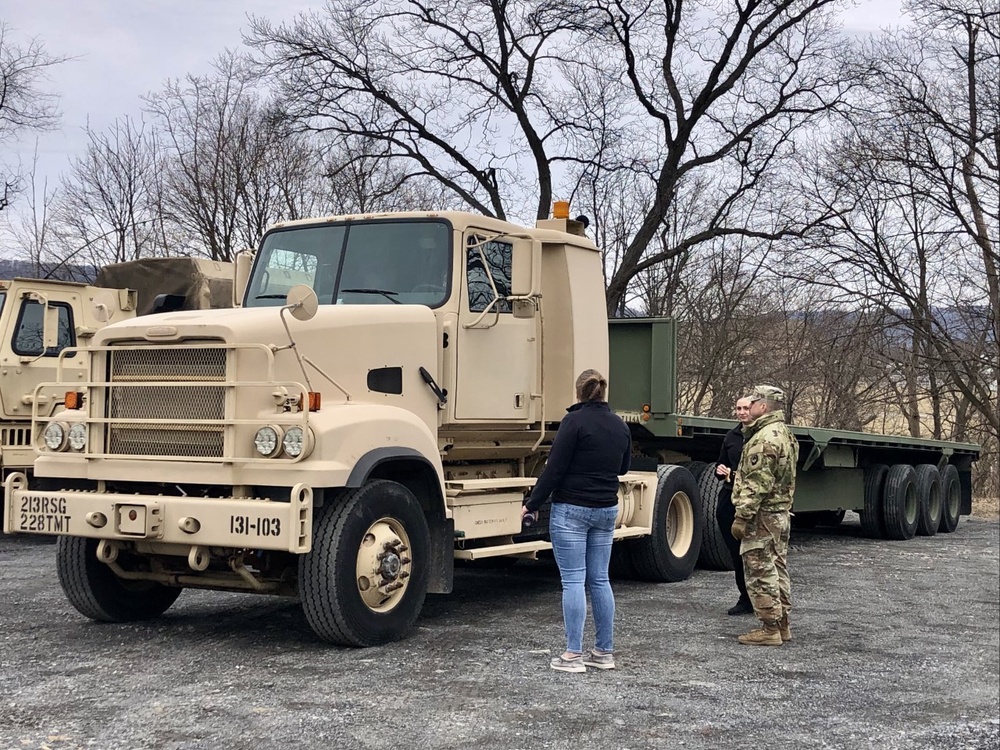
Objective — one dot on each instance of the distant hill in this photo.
(10, 269)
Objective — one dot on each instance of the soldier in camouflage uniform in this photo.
(762, 496)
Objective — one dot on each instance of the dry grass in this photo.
(986, 507)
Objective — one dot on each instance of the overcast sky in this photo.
(122, 49)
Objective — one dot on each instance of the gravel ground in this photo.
(896, 645)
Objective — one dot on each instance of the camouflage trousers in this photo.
(764, 551)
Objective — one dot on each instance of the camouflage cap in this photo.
(768, 392)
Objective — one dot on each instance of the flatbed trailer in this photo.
(901, 486)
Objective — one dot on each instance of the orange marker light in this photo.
(560, 210)
(315, 400)
(74, 400)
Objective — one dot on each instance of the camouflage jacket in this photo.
(765, 478)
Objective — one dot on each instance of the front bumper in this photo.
(230, 522)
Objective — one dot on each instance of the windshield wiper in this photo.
(391, 296)
(270, 296)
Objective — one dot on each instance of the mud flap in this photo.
(442, 572)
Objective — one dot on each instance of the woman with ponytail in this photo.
(591, 449)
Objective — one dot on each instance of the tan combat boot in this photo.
(784, 629)
(768, 635)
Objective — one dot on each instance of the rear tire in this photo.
(670, 552)
(366, 541)
(929, 497)
(621, 566)
(900, 506)
(951, 499)
(714, 554)
(872, 523)
(96, 592)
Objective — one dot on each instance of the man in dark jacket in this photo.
(725, 514)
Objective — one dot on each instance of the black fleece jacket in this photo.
(592, 447)
(732, 447)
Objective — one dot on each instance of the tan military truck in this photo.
(46, 326)
(375, 408)
(39, 320)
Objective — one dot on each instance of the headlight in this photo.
(267, 441)
(77, 436)
(55, 436)
(295, 441)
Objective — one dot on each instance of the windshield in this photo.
(402, 262)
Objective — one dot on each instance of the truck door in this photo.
(497, 355)
(25, 360)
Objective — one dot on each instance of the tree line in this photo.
(819, 211)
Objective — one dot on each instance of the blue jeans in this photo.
(581, 541)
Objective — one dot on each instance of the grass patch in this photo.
(986, 507)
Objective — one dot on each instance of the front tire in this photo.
(96, 592)
(670, 552)
(365, 580)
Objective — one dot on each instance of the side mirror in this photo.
(526, 268)
(302, 302)
(244, 261)
(524, 308)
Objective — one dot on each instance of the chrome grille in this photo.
(132, 407)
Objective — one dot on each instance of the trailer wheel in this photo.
(951, 499)
(364, 582)
(900, 506)
(96, 592)
(670, 552)
(714, 554)
(872, 523)
(929, 499)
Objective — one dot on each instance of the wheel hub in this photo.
(390, 567)
(383, 567)
(680, 524)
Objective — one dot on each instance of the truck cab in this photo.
(483, 280)
(373, 409)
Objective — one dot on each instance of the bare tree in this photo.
(456, 91)
(32, 231)
(108, 210)
(25, 105)
(232, 169)
(721, 299)
(921, 240)
(504, 103)
(359, 179)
